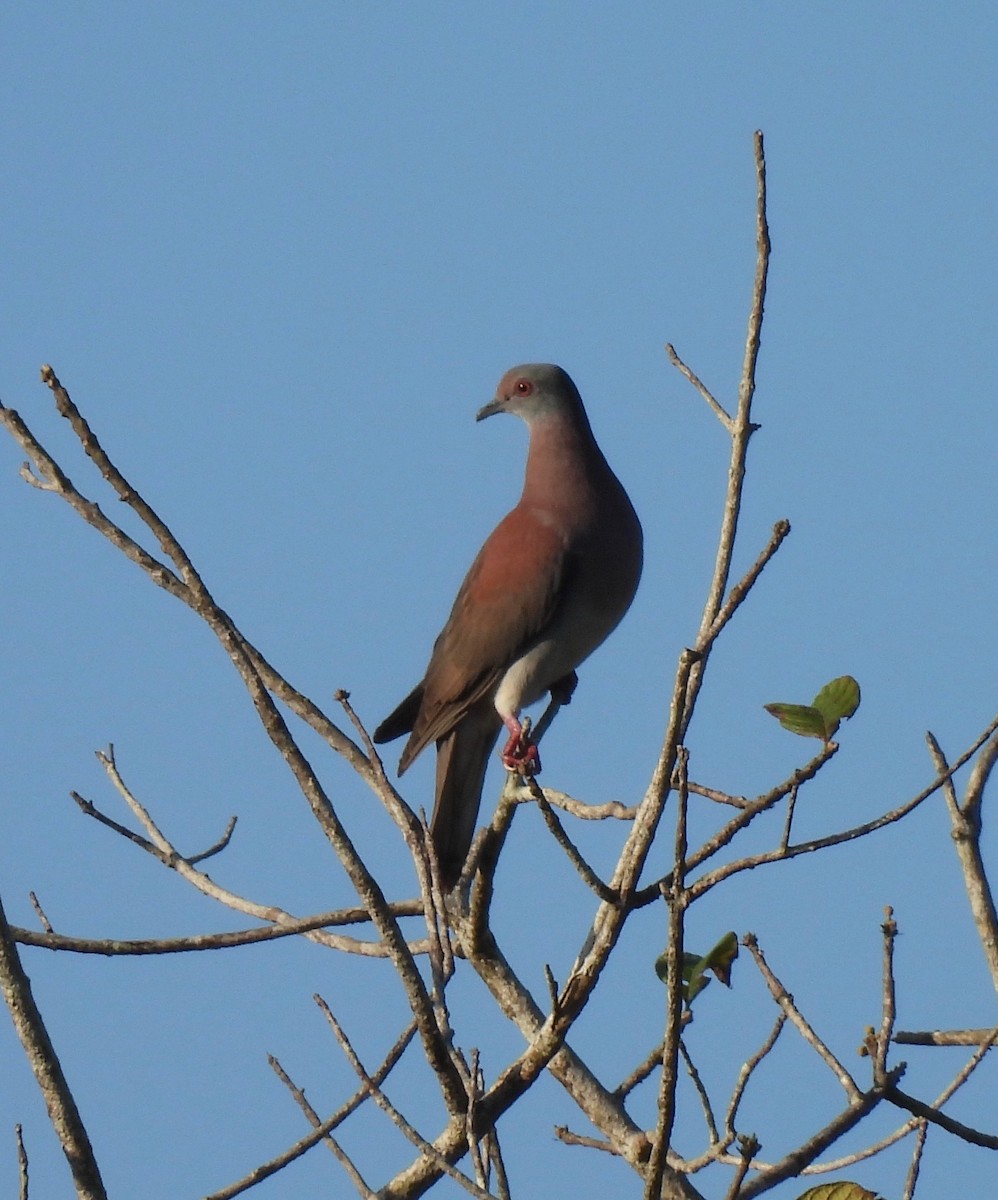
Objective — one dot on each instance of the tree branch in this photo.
(44, 1062)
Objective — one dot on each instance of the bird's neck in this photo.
(563, 463)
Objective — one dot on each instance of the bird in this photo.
(551, 582)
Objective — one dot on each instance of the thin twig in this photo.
(564, 1134)
(750, 862)
(749, 1146)
(745, 1074)
(803, 1026)
(716, 407)
(888, 1002)
(341, 1156)
(611, 810)
(586, 872)
(271, 1167)
(46, 924)
(110, 947)
(796, 1162)
(911, 1179)
(640, 1072)
(160, 846)
(22, 1164)
(708, 1111)
(381, 1100)
(965, 820)
(927, 1112)
(676, 899)
(260, 681)
(781, 531)
(498, 1166)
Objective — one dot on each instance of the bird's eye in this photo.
(524, 387)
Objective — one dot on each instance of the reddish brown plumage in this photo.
(551, 582)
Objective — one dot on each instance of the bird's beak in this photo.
(493, 406)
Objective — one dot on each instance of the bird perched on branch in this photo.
(553, 579)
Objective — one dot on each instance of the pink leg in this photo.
(519, 754)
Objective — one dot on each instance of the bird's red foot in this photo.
(521, 755)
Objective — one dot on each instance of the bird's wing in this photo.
(508, 597)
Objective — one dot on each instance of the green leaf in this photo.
(696, 966)
(837, 701)
(837, 1191)
(719, 960)
(799, 718)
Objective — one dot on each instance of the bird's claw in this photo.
(521, 756)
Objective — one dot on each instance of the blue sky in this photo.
(280, 254)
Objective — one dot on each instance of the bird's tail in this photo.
(462, 759)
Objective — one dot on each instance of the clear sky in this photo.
(280, 254)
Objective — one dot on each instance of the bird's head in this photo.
(534, 390)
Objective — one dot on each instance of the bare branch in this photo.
(588, 875)
(46, 924)
(265, 1170)
(564, 1134)
(708, 1111)
(22, 1164)
(945, 1037)
(798, 1160)
(676, 899)
(888, 1004)
(712, 878)
(804, 1028)
(224, 941)
(715, 407)
(966, 824)
(781, 531)
(640, 1072)
(745, 1074)
(381, 1100)
(341, 1156)
(612, 809)
(916, 1161)
(749, 1146)
(927, 1112)
(160, 846)
(44, 1062)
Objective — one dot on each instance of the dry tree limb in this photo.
(708, 1110)
(22, 1164)
(260, 681)
(715, 405)
(740, 429)
(45, 1065)
(341, 1156)
(750, 862)
(745, 1074)
(160, 847)
(797, 1161)
(944, 1037)
(882, 1040)
(612, 809)
(111, 947)
(377, 1094)
(965, 820)
(572, 853)
(609, 918)
(676, 898)
(928, 1112)
(786, 1004)
(911, 1179)
(640, 1072)
(271, 1167)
